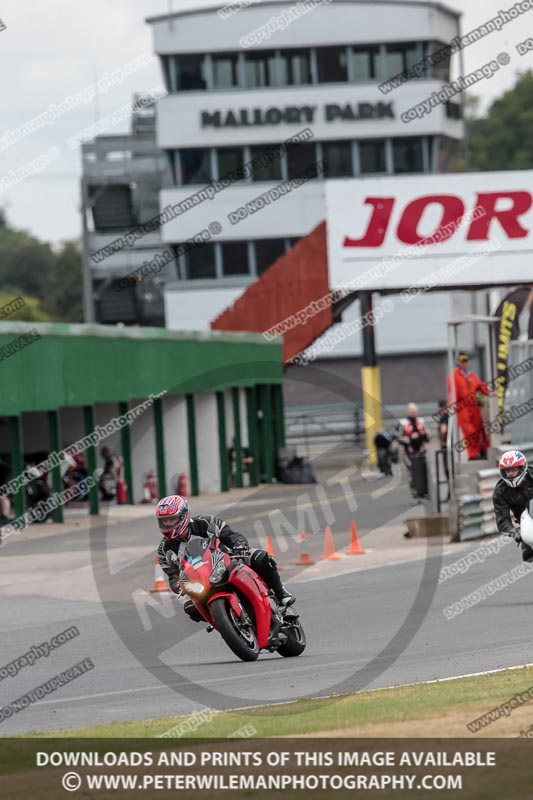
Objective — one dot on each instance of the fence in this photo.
(520, 390)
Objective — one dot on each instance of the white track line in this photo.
(284, 702)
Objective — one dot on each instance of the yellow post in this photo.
(371, 382)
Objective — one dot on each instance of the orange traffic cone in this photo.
(270, 549)
(355, 547)
(329, 547)
(160, 584)
(305, 559)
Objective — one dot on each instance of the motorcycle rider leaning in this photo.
(512, 493)
(177, 526)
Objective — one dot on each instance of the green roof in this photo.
(55, 364)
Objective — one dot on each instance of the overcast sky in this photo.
(54, 49)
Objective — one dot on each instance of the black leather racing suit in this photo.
(263, 563)
(506, 500)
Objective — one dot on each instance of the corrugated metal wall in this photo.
(287, 287)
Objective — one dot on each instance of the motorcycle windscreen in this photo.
(194, 551)
(526, 525)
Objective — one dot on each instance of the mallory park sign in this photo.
(253, 117)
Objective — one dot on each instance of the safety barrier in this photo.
(476, 515)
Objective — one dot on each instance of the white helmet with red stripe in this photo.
(173, 517)
(513, 468)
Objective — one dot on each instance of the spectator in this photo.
(443, 436)
(108, 478)
(246, 460)
(74, 473)
(467, 406)
(37, 491)
(6, 514)
(443, 424)
(413, 438)
(382, 442)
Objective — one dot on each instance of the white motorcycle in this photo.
(526, 525)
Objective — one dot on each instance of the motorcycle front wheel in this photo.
(241, 639)
(296, 641)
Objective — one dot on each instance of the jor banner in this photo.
(516, 320)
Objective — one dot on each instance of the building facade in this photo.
(262, 96)
(122, 175)
(270, 100)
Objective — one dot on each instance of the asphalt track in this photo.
(366, 629)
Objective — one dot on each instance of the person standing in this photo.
(413, 438)
(6, 514)
(443, 417)
(469, 419)
(108, 478)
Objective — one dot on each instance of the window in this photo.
(267, 251)
(448, 155)
(365, 63)
(195, 165)
(191, 73)
(295, 67)
(332, 64)
(235, 258)
(263, 170)
(260, 69)
(225, 71)
(299, 158)
(400, 57)
(337, 159)
(200, 261)
(151, 303)
(229, 160)
(440, 70)
(408, 155)
(171, 154)
(165, 63)
(454, 110)
(372, 156)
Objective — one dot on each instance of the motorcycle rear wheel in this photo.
(242, 643)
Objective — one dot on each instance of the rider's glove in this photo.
(172, 558)
(241, 550)
(175, 587)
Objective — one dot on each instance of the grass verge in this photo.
(384, 711)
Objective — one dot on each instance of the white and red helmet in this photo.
(513, 467)
(173, 517)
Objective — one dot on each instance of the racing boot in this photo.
(285, 598)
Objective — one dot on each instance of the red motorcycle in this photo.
(236, 602)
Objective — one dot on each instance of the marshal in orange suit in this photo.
(469, 419)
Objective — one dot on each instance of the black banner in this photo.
(509, 312)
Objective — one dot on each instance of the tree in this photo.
(25, 262)
(502, 139)
(50, 281)
(31, 311)
(67, 292)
